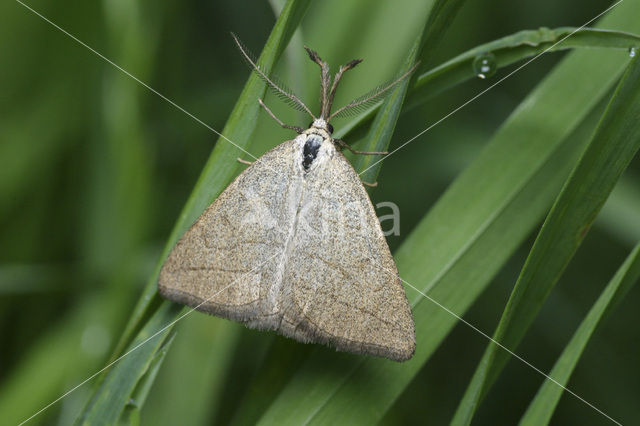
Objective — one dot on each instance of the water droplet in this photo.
(484, 65)
(633, 52)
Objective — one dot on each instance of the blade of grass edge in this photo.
(131, 413)
(114, 393)
(614, 144)
(544, 404)
(384, 124)
(437, 20)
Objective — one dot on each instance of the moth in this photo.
(293, 244)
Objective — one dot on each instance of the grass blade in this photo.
(131, 414)
(116, 390)
(620, 216)
(543, 405)
(616, 141)
(200, 359)
(381, 131)
(383, 125)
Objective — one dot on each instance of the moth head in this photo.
(320, 123)
(329, 86)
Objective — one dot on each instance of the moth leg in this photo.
(297, 129)
(369, 184)
(343, 144)
(241, 161)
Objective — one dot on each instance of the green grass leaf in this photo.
(118, 387)
(466, 237)
(386, 116)
(614, 144)
(383, 125)
(201, 358)
(543, 405)
(620, 216)
(131, 413)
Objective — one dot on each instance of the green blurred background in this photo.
(96, 168)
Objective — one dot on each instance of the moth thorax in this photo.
(319, 123)
(310, 150)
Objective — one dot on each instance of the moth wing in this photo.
(226, 263)
(345, 290)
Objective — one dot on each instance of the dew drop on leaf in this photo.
(632, 52)
(484, 65)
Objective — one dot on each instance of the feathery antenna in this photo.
(337, 78)
(325, 81)
(328, 86)
(274, 84)
(365, 101)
